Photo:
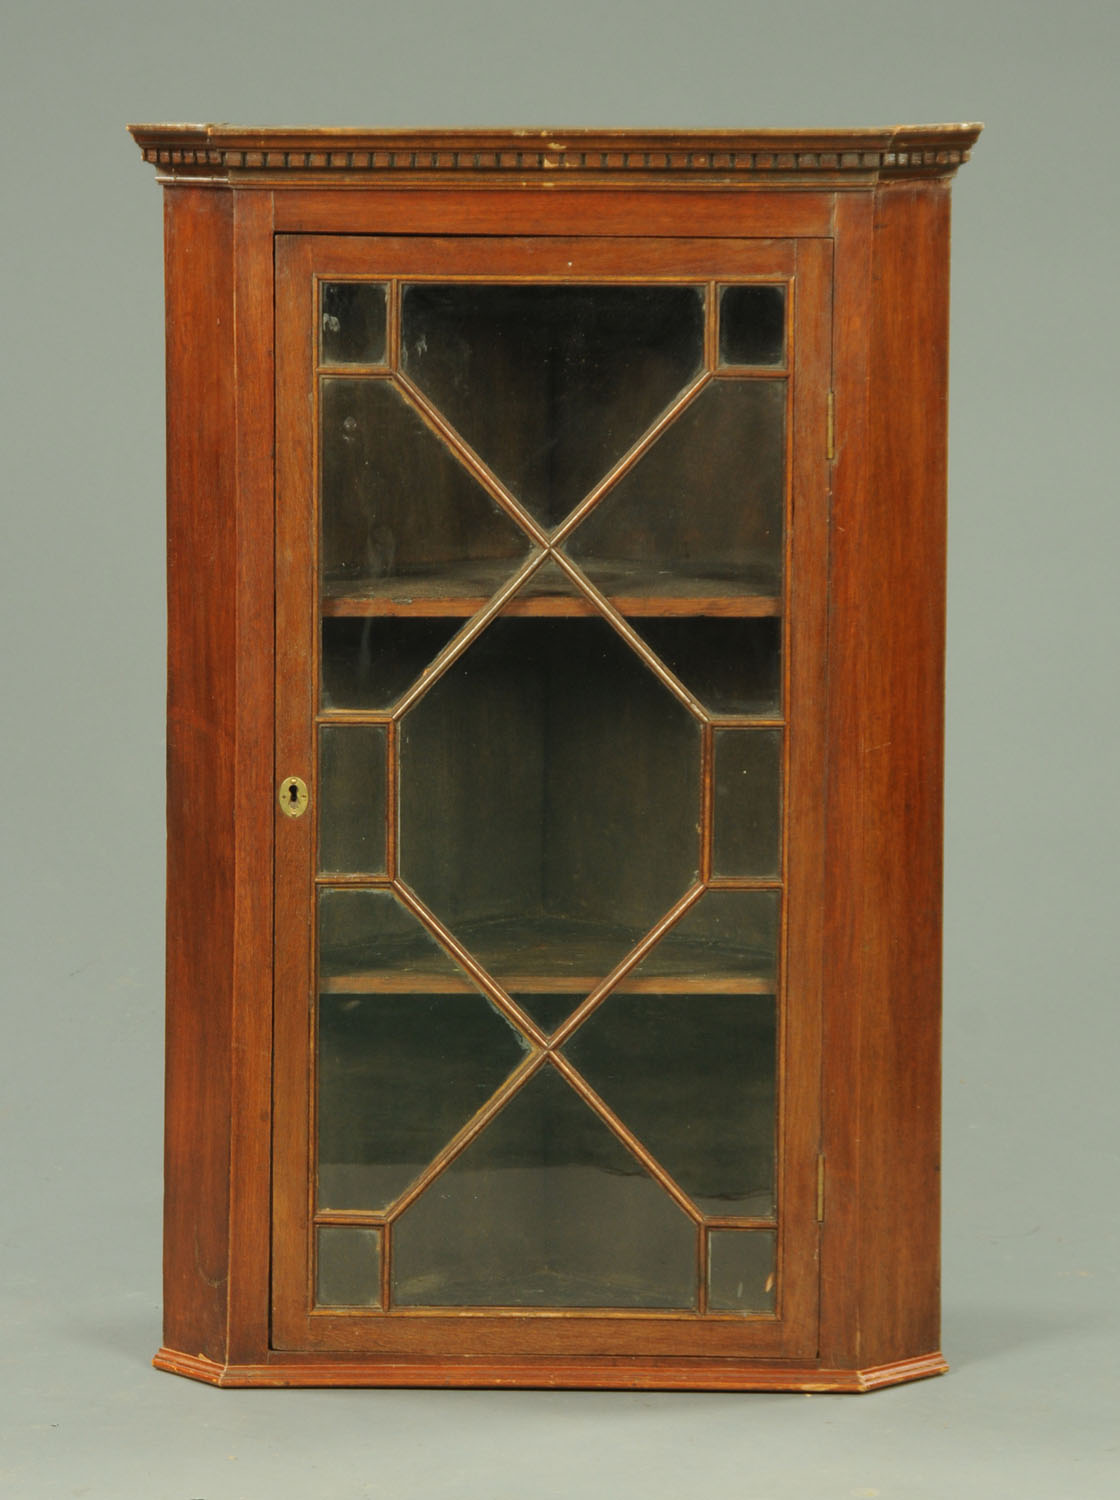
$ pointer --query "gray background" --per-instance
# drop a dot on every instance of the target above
(1031, 1175)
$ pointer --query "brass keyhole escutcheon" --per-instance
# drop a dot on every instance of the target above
(294, 796)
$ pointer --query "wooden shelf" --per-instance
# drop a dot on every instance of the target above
(746, 606)
(548, 956)
(382, 983)
(463, 591)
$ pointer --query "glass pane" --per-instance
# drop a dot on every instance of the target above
(732, 666)
(550, 1009)
(693, 1076)
(701, 512)
(400, 513)
(742, 1270)
(748, 802)
(408, 1049)
(347, 1266)
(545, 1209)
(728, 938)
(352, 788)
(364, 933)
(752, 325)
(369, 663)
(550, 795)
(352, 323)
(550, 385)
(549, 800)
(399, 1075)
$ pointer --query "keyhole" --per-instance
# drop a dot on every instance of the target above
(292, 796)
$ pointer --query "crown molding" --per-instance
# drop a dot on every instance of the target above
(274, 157)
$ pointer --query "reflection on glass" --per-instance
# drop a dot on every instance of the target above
(369, 663)
(742, 1270)
(551, 385)
(546, 1208)
(752, 325)
(352, 776)
(732, 666)
(347, 1266)
(747, 808)
(703, 507)
(398, 506)
(549, 799)
(352, 323)
(693, 1076)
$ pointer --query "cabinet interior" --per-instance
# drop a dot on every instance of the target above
(551, 713)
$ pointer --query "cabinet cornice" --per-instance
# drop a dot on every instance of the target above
(271, 156)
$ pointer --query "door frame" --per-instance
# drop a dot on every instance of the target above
(807, 264)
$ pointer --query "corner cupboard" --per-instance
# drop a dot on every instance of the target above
(556, 587)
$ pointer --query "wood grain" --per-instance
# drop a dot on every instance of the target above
(302, 260)
(295, 702)
(882, 1079)
(530, 210)
(862, 244)
(804, 964)
(251, 1041)
(201, 745)
(579, 1374)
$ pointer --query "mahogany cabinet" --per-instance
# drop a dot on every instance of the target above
(556, 587)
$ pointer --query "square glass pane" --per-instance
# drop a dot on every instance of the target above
(347, 1266)
(742, 1270)
(747, 802)
(352, 323)
(752, 325)
(352, 796)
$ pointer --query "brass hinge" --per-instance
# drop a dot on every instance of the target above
(831, 426)
(820, 1189)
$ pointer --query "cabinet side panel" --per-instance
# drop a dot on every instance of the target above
(886, 687)
(201, 701)
(901, 1037)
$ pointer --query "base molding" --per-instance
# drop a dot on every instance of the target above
(550, 1374)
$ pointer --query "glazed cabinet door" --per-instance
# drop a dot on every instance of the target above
(550, 617)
